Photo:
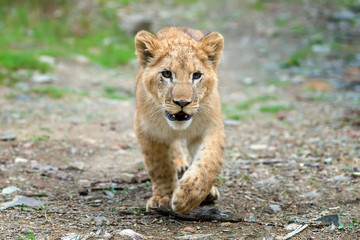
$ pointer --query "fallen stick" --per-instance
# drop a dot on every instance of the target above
(296, 231)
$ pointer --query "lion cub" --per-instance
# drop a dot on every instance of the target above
(177, 105)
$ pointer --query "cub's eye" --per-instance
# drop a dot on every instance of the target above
(166, 74)
(197, 75)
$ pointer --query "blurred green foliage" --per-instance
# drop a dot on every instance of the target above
(30, 28)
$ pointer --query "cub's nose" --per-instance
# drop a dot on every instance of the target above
(181, 103)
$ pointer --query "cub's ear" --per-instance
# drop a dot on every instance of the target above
(146, 45)
(213, 44)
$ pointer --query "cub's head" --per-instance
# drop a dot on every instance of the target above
(179, 72)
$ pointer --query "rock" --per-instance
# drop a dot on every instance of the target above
(8, 136)
(356, 174)
(190, 229)
(22, 200)
(80, 59)
(72, 237)
(252, 218)
(85, 183)
(10, 190)
(319, 48)
(76, 166)
(292, 226)
(21, 160)
(258, 147)
(275, 208)
(196, 236)
(343, 15)
(44, 78)
(330, 219)
(47, 59)
(130, 233)
(310, 195)
(328, 160)
(136, 22)
(109, 194)
(83, 191)
(127, 177)
(232, 122)
(100, 220)
(107, 235)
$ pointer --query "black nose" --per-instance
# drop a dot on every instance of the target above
(181, 103)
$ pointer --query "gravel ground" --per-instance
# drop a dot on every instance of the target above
(293, 137)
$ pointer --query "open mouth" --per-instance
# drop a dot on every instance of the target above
(179, 116)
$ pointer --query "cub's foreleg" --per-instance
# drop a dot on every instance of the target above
(161, 169)
(199, 179)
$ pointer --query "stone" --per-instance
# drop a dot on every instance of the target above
(343, 15)
(109, 194)
(275, 208)
(258, 147)
(44, 78)
(292, 226)
(100, 220)
(196, 236)
(252, 219)
(47, 59)
(8, 136)
(132, 234)
(21, 160)
(107, 235)
(72, 237)
(136, 22)
(330, 219)
(190, 229)
(321, 48)
(76, 166)
(80, 59)
(22, 200)
(127, 177)
(356, 174)
(10, 190)
(328, 160)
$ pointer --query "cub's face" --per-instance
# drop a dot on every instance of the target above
(179, 73)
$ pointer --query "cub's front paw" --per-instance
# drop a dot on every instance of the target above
(212, 196)
(187, 197)
(157, 201)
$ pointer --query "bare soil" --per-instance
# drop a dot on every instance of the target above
(292, 166)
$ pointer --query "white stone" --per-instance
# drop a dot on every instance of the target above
(21, 160)
(10, 190)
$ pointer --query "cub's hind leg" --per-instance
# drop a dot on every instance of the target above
(161, 169)
(180, 155)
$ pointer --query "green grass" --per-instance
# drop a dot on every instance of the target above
(51, 91)
(295, 59)
(274, 108)
(231, 111)
(112, 93)
(258, 5)
(14, 61)
(29, 236)
(40, 138)
(29, 29)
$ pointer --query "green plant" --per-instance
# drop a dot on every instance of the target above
(40, 138)
(274, 108)
(112, 93)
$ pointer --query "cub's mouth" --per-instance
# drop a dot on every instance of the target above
(179, 116)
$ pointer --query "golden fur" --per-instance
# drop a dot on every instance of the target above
(184, 54)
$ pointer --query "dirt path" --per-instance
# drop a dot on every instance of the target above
(292, 154)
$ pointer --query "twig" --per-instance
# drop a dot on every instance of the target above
(296, 231)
